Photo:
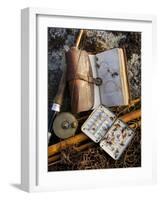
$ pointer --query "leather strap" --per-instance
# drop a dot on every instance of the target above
(89, 79)
(81, 77)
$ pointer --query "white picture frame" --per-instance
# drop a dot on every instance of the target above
(34, 176)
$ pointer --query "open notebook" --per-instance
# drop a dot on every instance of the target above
(97, 79)
(110, 67)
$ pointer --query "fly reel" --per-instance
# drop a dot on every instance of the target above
(65, 125)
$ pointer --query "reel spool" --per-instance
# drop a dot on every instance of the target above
(65, 125)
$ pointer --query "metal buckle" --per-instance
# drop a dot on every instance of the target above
(98, 81)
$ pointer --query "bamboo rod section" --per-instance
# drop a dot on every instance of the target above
(135, 101)
(78, 149)
(54, 158)
(130, 116)
(53, 149)
(84, 146)
(79, 38)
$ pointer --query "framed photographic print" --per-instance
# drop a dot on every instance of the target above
(86, 101)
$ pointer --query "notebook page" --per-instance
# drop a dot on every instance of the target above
(109, 71)
(92, 59)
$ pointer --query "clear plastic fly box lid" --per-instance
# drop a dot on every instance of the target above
(98, 123)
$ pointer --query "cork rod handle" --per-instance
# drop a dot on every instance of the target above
(60, 93)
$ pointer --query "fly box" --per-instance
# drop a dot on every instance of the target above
(112, 134)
